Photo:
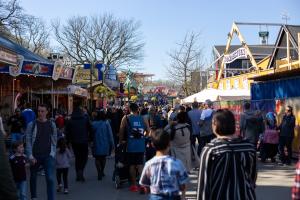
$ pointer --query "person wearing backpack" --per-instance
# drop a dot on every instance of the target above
(251, 124)
(206, 132)
(41, 139)
(180, 134)
(133, 130)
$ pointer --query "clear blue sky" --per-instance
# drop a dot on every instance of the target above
(165, 22)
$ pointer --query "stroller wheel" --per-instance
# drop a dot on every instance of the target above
(117, 182)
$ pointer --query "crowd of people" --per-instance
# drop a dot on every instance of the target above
(163, 145)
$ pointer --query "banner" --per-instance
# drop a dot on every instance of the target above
(239, 53)
(58, 66)
(7, 57)
(67, 73)
(15, 70)
(83, 75)
(37, 69)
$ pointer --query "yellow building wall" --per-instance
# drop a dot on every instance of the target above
(234, 82)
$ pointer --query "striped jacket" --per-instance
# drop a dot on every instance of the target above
(296, 186)
(227, 170)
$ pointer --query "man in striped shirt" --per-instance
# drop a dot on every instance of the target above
(227, 164)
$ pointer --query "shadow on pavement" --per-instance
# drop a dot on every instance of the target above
(266, 192)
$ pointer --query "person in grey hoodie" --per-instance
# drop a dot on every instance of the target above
(41, 139)
(251, 124)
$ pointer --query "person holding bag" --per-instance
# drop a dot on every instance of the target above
(180, 147)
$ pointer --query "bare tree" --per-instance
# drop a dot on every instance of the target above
(104, 39)
(185, 59)
(32, 34)
(10, 13)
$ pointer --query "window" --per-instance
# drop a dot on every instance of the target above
(245, 64)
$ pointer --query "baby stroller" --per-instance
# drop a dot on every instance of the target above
(121, 171)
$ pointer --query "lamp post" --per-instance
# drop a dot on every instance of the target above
(102, 82)
(91, 86)
(92, 73)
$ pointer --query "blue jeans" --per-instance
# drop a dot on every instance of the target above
(163, 197)
(48, 163)
(22, 190)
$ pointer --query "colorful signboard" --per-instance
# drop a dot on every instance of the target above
(67, 73)
(58, 66)
(8, 57)
(83, 75)
(72, 89)
(37, 69)
(15, 70)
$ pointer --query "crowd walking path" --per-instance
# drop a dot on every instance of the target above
(274, 182)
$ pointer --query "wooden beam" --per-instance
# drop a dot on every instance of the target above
(288, 55)
(299, 47)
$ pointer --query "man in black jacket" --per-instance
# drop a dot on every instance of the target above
(286, 128)
(77, 133)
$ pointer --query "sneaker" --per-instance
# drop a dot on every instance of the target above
(66, 191)
(59, 188)
(134, 188)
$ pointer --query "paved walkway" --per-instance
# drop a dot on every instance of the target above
(274, 183)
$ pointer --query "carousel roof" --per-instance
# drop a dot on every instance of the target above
(18, 49)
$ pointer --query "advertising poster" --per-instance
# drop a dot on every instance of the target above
(37, 69)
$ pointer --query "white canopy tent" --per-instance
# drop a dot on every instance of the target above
(218, 95)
